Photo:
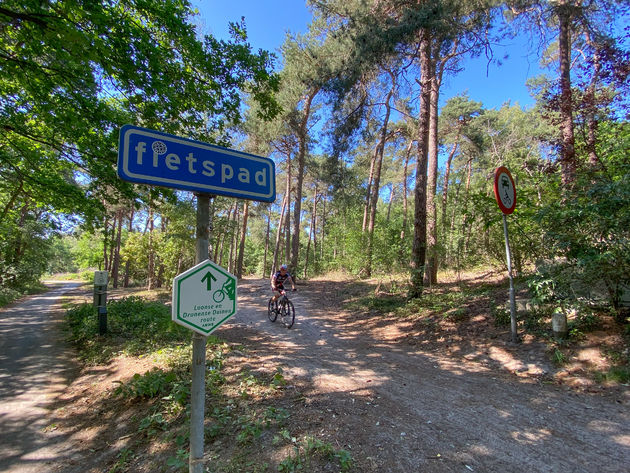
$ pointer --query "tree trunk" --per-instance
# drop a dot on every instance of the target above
(567, 145)
(317, 197)
(241, 249)
(368, 194)
(311, 232)
(151, 270)
(105, 226)
(376, 184)
(211, 207)
(430, 276)
(418, 250)
(403, 230)
(116, 263)
(591, 106)
(12, 200)
(274, 265)
(219, 250)
(234, 239)
(297, 210)
(286, 224)
(267, 236)
(127, 262)
(447, 174)
(391, 201)
(321, 246)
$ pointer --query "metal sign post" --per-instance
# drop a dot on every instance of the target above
(508, 255)
(156, 158)
(505, 193)
(198, 389)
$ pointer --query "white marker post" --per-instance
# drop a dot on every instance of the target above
(505, 193)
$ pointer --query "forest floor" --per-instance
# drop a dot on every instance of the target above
(362, 384)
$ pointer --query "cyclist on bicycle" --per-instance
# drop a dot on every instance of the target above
(278, 280)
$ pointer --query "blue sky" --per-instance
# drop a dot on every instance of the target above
(268, 21)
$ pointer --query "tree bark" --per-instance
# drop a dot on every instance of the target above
(219, 250)
(116, 263)
(430, 275)
(127, 262)
(403, 230)
(241, 249)
(151, 269)
(311, 232)
(368, 194)
(376, 184)
(447, 174)
(274, 266)
(418, 250)
(267, 236)
(567, 145)
(301, 158)
(234, 239)
(591, 106)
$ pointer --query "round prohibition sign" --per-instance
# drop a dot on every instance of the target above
(504, 190)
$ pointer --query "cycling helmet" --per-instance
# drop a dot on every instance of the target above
(283, 266)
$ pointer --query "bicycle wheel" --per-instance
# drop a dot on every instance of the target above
(272, 310)
(287, 313)
(218, 296)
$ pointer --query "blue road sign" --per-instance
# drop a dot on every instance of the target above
(152, 157)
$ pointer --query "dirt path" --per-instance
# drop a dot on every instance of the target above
(401, 409)
(395, 404)
(35, 367)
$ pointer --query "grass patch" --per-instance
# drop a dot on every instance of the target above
(616, 374)
(135, 327)
(440, 301)
(308, 450)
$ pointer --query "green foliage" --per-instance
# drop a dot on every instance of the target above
(141, 325)
(152, 424)
(8, 295)
(502, 316)
(122, 460)
(583, 323)
(558, 357)
(87, 250)
(179, 461)
(72, 73)
(616, 374)
(24, 250)
(60, 256)
(592, 233)
(306, 451)
(154, 383)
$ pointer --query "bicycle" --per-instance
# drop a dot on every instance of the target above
(282, 307)
(226, 290)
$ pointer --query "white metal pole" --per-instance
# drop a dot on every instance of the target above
(508, 255)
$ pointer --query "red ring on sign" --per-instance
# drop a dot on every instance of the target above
(498, 172)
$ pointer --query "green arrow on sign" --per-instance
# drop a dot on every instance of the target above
(208, 278)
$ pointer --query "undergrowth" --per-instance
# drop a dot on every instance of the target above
(8, 295)
(245, 408)
(134, 327)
